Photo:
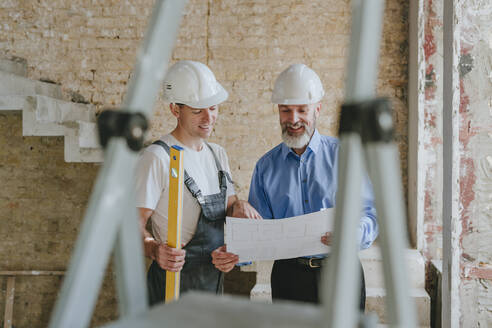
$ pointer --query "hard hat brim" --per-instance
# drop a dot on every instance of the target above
(216, 99)
(297, 101)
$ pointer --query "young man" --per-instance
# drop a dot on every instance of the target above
(194, 95)
(299, 176)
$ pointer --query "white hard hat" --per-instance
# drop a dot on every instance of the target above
(297, 85)
(193, 84)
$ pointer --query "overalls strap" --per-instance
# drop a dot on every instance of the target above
(188, 180)
(219, 167)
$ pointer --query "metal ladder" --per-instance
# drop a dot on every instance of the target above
(111, 218)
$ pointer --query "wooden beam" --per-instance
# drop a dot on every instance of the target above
(9, 298)
(9, 302)
(32, 273)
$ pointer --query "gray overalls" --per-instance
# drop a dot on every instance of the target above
(198, 272)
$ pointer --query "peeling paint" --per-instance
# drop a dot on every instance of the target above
(431, 130)
(467, 164)
(467, 194)
(431, 230)
(464, 98)
(430, 46)
(476, 13)
(489, 160)
(428, 208)
(483, 271)
(430, 82)
(470, 46)
(468, 257)
(465, 65)
(475, 165)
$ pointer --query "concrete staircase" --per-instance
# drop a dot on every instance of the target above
(375, 298)
(372, 262)
(46, 113)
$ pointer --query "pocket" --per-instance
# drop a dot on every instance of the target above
(213, 212)
(215, 236)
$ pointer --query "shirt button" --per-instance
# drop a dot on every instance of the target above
(306, 201)
(304, 180)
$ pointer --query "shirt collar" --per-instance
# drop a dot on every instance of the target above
(315, 141)
(313, 145)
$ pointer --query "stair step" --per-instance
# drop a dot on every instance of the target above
(17, 66)
(60, 111)
(81, 148)
(371, 260)
(372, 263)
(46, 116)
(375, 302)
(88, 135)
(45, 113)
(15, 85)
(82, 144)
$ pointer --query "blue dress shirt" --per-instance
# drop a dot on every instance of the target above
(285, 184)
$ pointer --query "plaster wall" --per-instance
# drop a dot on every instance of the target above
(425, 124)
(431, 152)
(469, 227)
(468, 144)
(425, 127)
(474, 25)
(89, 47)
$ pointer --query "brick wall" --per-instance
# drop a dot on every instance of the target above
(89, 48)
(42, 201)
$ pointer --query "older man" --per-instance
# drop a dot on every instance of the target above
(299, 176)
(194, 95)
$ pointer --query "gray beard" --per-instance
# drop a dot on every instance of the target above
(297, 142)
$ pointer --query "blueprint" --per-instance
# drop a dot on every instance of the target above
(261, 240)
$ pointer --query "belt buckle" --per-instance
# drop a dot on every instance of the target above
(311, 264)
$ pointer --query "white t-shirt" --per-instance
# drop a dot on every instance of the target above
(152, 184)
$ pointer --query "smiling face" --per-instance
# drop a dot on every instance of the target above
(298, 123)
(196, 122)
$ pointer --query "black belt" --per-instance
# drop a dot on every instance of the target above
(304, 261)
